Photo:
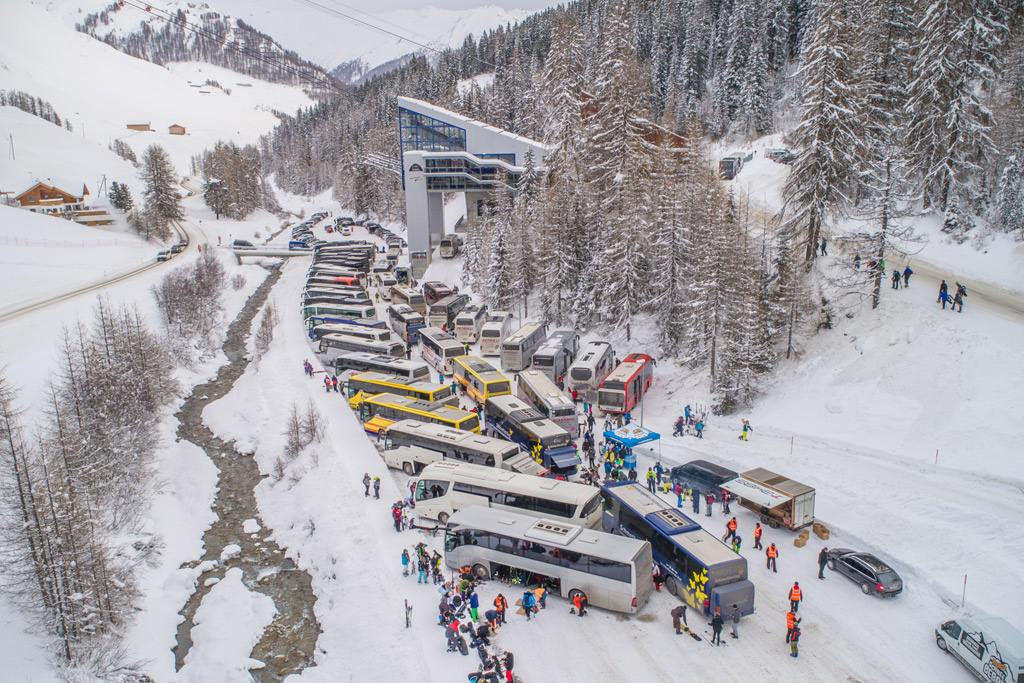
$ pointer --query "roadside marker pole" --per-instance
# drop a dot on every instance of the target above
(936, 457)
(963, 599)
(791, 438)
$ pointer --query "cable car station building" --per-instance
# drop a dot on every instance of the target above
(446, 152)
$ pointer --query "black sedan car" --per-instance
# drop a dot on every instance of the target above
(874, 576)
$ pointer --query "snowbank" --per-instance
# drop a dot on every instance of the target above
(228, 624)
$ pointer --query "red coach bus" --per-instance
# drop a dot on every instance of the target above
(625, 386)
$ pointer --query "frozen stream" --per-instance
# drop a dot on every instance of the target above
(289, 642)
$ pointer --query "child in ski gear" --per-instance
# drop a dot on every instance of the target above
(795, 596)
(771, 553)
(822, 561)
(746, 431)
(679, 617)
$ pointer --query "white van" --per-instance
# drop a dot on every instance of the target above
(992, 648)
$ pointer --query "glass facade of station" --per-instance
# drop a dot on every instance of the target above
(428, 134)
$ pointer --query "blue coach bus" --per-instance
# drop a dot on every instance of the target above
(512, 418)
(696, 565)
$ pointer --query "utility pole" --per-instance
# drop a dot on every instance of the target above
(11, 153)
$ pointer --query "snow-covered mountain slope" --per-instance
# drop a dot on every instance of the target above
(331, 41)
(100, 90)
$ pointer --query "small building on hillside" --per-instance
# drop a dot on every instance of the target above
(175, 129)
(139, 126)
(53, 201)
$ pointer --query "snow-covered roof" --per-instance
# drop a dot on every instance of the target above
(447, 116)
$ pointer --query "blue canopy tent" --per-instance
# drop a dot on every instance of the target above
(632, 435)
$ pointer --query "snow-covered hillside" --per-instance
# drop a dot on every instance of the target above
(100, 89)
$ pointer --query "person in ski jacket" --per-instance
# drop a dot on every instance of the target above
(736, 543)
(746, 431)
(540, 598)
(716, 628)
(632, 474)
(726, 499)
(771, 553)
(943, 297)
(575, 396)
(327, 384)
(422, 566)
(687, 414)
(376, 488)
(677, 428)
(793, 649)
(730, 530)
(757, 536)
(396, 514)
(710, 500)
(679, 618)
(659, 471)
(581, 604)
(405, 562)
(492, 619)
(528, 604)
(907, 272)
(822, 561)
(508, 662)
(823, 244)
(650, 479)
(501, 605)
(958, 299)
(735, 619)
(795, 596)
(334, 383)
(895, 278)
(700, 429)
(696, 502)
(474, 607)
(366, 484)
(943, 289)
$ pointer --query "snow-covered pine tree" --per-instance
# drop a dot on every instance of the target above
(1010, 198)
(827, 134)
(524, 229)
(159, 176)
(957, 222)
(957, 47)
(499, 290)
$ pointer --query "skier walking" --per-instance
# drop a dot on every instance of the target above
(771, 553)
(679, 618)
(757, 536)
(895, 278)
(716, 627)
(958, 300)
(795, 596)
(907, 272)
(366, 484)
(943, 289)
(746, 431)
(822, 561)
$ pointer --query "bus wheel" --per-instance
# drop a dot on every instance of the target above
(481, 572)
(574, 592)
(671, 586)
(442, 517)
(408, 468)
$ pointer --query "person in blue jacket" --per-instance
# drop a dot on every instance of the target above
(528, 603)
(474, 605)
